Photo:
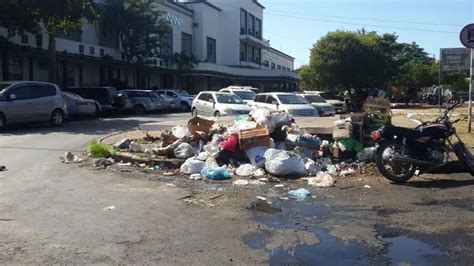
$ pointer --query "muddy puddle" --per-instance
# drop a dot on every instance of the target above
(293, 237)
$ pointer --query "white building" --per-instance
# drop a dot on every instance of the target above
(224, 35)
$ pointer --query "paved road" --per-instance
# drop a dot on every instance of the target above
(53, 213)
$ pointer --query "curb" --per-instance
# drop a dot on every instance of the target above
(164, 163)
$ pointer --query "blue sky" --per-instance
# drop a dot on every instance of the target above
(293, 26)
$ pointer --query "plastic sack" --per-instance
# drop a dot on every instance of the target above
(246, 170)
(281, 118)
(243, 125)
(215, 173)
(311, 167)
(180, 131)
(212, 150)
(367, 154)
(184, 151)
(255, 156)
(350, 145)
(299, 194)
(192, 166)
(203, 156)
(263, 117)
(282, 163)
(323, 179)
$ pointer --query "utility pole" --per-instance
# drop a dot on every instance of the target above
(471, 79)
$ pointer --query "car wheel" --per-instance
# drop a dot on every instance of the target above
(97, 110)
(57, 118)
(217, 114)
(140, 109)
(194, 113)
(3, 122)
(184, 106)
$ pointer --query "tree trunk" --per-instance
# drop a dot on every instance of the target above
(53, 64)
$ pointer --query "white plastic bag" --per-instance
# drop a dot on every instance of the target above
(367, 154)
(281, 118)
(180, 131)
(246, 170)
(184, 151)
(281, 163)
(323, 179)
(243, 125)
(212, 150)
(192, 166)
(255, 156)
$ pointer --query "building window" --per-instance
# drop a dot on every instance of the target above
(273, 65)
(257, 54)
(39, 40)
(211, 50)
(250, 24)
(243, 51)
(91, 50)
(24, 39)
(278, 67)
(266, 63)
(258, 28)
(243, 21)
(250, 53)
(102, 52)
(81, 48)
(186, 44)
(167, 44)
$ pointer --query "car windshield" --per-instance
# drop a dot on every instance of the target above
(229, 98)
(291, 99)
(3, 86)
(314, 99)
(246, 95)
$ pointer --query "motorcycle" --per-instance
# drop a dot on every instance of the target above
(405, 152)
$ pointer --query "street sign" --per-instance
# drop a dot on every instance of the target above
(455, 60)
(467, 36)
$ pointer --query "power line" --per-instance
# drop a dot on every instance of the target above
(368, 19)
(363, 25)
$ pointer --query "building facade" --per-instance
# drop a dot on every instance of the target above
(225, 36)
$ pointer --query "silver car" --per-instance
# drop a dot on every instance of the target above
(144, 101)
(76, 105)
(211, 103)
(30, 101)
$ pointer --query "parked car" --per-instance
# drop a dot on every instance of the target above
(246, 95)
(182, 96)
(211, 103)
(288, 102)
(107, 97)
(249, 88)
(30, 101)
(338, 103)
(324, 108)
(77, 106)
(171, 103)
(144, 101)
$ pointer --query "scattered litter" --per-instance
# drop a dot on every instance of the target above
(263, 179)
(122, 144)
(103, 162)
(282, 163)
(110, 208)
(184, 151)
(367, 154)
(3, 168)
(69, 157)
(192, 166)
(261, 198)
(262, 206)
(135, 147)
(323, 180)
(279, 185)
(259, 172)
(367, 186)
(195, 177)
(215, 173)
(125, 164)
(171, 185)
(240, 182)
(246, 170)
(256, 182)
(216, 197)
(284, 198)
(299, 194)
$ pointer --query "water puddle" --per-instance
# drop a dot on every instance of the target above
(406, 250)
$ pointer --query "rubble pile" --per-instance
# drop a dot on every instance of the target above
(258, 148)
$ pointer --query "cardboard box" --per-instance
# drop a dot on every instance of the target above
(251, 138)
(200, 124)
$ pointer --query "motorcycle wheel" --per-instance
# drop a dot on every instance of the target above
(397, 172)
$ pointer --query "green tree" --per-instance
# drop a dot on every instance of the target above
(456, 81)
(416, 74)
(55, 18)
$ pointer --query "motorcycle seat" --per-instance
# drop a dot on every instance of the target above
(402, 131)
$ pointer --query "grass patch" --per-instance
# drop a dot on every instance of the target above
(98, 150)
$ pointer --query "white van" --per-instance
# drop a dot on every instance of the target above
(288, 102)
(211, 103)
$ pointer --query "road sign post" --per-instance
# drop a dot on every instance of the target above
(467, 39)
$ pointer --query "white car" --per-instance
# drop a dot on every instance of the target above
(246, 95)
(340, 106)
(324, 108)
(288, 102)
(211, 103)
(185, 100)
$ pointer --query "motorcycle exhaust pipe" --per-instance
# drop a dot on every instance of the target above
(405, 159)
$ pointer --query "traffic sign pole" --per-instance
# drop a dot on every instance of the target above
(471, 79)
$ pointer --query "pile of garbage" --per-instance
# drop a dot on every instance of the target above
(262, 146)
